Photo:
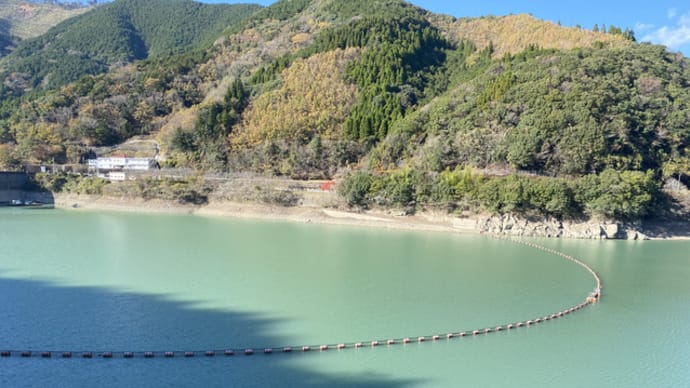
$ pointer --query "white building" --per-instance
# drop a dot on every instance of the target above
(114, 176)
(118, 168)
(122, 163)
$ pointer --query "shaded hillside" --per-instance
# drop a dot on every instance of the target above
(6, 42)
(120, 32)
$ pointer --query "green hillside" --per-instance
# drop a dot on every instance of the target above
(566, 118)
(405, 108)
(120, 32)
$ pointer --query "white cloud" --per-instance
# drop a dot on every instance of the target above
(673, 37)
(685, 19)
(671, 13)
(642, 27)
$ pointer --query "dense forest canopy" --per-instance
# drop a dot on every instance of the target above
(405, 108)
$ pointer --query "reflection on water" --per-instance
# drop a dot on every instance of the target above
(45, 316)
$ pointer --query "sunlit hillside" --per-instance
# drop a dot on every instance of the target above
(515, 33)
(27, 19)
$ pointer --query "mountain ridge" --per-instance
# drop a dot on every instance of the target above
(120, 32)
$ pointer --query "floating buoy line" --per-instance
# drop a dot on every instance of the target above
(592, 297)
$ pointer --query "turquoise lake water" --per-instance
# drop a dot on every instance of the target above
(88, 281)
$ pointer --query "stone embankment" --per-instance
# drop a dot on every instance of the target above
(513, 226)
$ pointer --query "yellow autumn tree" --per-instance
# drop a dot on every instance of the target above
(515, 33)
(312, 99)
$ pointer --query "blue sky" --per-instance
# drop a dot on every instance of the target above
(664, 22)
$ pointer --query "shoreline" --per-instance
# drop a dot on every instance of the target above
(423, 221)
(255, 211)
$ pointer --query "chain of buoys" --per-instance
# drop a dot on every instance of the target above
(591, 298)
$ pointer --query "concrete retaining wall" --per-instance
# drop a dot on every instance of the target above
(15, 185)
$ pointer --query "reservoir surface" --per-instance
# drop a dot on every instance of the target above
(113, 282)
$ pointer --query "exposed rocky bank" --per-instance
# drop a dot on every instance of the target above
(510, 225)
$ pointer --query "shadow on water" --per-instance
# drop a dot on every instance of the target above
(41, 316)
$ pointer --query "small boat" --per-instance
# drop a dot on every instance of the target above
(31, 204)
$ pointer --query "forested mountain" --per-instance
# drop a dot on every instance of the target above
(117, 33)
(404, 107)
(26, 19)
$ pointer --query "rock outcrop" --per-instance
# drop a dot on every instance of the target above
(511, 225)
